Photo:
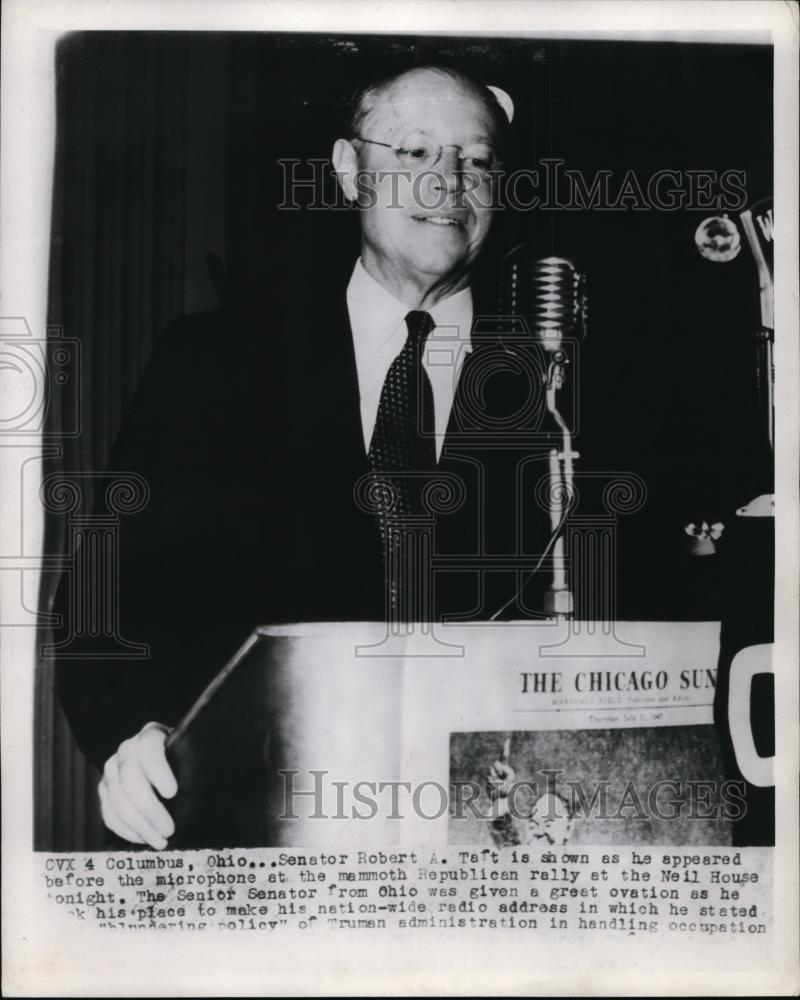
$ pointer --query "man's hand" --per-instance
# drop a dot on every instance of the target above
(501, 777)
(499, 780)
(128, 803)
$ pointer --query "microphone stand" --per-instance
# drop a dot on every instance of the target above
(763, 505)
(552, 294)
(558, 598)
(765, 370)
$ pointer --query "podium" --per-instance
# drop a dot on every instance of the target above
(304, 741)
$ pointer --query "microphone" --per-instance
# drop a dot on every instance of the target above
(548, 293)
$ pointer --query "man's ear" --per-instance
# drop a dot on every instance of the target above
(345, 163)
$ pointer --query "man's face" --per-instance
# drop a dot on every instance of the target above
(550, 821)
(425, 226)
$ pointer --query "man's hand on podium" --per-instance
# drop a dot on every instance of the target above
(128, 802)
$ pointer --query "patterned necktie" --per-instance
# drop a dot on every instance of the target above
(403, 441)
(400, 457)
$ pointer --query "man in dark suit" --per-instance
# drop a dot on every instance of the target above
(266, 439)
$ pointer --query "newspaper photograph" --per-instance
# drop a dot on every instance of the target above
(400, 524)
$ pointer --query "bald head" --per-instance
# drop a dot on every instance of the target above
(441, 83)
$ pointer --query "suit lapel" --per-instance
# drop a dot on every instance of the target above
(327, 419)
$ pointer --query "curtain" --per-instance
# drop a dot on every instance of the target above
(117, 276)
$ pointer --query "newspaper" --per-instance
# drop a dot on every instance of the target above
(580, 778)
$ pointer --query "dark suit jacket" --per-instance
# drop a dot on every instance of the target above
(247, 428)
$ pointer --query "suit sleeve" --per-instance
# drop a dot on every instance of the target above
(109, 697)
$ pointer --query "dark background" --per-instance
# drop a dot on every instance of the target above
(166, 199)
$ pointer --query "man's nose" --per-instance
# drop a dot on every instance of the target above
(449, 173)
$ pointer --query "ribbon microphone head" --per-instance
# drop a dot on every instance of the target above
(548, 293)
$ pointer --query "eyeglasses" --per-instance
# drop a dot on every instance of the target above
(419, 152)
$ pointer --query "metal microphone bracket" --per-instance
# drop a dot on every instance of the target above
(556, 373)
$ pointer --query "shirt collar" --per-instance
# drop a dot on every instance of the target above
(371, 306)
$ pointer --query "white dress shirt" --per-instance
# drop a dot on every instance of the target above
(377, 320)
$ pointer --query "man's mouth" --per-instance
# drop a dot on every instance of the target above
(439, 220)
